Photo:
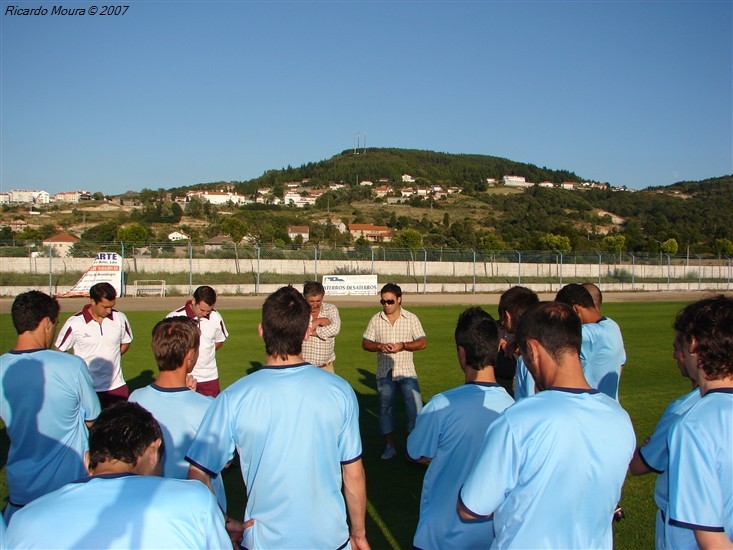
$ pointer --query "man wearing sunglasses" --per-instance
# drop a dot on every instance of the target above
(394, 334)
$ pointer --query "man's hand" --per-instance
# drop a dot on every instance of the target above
(191, 382)
(236, 529)
(394, 347)
(359, 542)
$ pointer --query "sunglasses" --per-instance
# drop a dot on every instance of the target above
(386, 302)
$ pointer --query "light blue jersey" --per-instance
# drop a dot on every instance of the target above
(450, 430)
(179, 411)
(655, 455)
(701, 469)
(122, 511)
(551, 470)
(45, 398)
(602, 355)
(293, 426)
(524, 384)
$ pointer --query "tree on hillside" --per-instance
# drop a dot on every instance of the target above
(408, 238)
(134, 234)
(105, 232)
(614, 243)
(723, 247)
(670, 247)
(558, 243)
(234, 227)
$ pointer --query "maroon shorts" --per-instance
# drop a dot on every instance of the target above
(210, 387)
(108, 398)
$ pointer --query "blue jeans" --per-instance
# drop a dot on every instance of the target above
(410, 393)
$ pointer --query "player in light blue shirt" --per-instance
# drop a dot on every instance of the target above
(449, 432)
(552, 467)
(512, 305)
(47, 400)
(701, 442)
(178, 409)
(123, 504)
(296, 428)
(653, 455)
(602, 352)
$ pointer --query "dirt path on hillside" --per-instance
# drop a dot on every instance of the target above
(152, 303)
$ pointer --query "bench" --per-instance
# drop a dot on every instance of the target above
(149, 287)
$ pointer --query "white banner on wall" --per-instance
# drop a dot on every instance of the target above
(106, 268)
(359, 285)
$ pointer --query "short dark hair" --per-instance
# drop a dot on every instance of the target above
(122, 432)
(313, 288)
(32, 307)
(575, 295)
(554, 325)
(285, 318)
(710, 323)
(205, 294)
(392, 288)
(478, 335)
(516, 301)
(102, 291)
(172, 339)
(595, 293)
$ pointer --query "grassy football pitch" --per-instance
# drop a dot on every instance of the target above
(650, 381)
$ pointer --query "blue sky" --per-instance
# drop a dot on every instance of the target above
(176, 93)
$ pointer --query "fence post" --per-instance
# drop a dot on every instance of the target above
(560, 252)
(124, 278)
(519, 268)
(633, 271)
(728, 272)
(699, 271)
(473, 289)
(669, 268)
(190, 269)
(315, 263)
(50, 269)
(599, 268)
(257, 283)
(425, 271)
(372, 250)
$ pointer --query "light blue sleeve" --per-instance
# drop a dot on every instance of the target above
(213, 447)
(350, 437)
(88, 398)
(495, 471)
(695, 497)
(423, 440)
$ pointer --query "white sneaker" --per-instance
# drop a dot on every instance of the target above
(389, 453)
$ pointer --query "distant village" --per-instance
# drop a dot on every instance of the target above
(298, 194)
(301, 194)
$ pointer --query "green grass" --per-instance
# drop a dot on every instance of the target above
(649, 382)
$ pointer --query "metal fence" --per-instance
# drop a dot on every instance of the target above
(244, 269)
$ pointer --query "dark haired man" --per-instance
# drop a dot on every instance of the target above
(318, 348)
(100, 335)
(213, 335)
(512, 305)
(551, 467)
(394, 334)
(653, 455)
(450, 431)
(47, 402)
(123, 504)
(602, 353)
(296, 429)
(701, 442)
(179, 410)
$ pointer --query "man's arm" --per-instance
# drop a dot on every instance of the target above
(194, 472)
(466, 514)
(124, 348)
(218, 345)
(354, 487)
(368, 345)
(712, 540)
(637, 466)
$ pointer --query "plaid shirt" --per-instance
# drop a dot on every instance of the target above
(407, 328)
(318, 349)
